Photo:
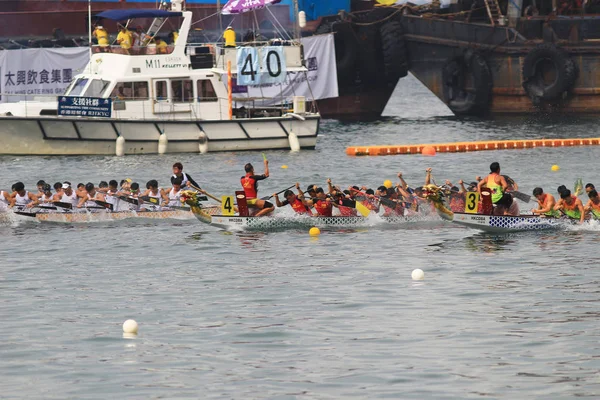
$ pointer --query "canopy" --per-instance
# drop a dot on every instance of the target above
(122, 15)
(242, 6)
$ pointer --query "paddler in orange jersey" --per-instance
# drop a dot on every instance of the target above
(250, 185)
(321, 203)
(570, 205)
(546, 204)
(592, 207)
(498, 185)
(298, 204)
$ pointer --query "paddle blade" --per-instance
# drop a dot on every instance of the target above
(578, 187)
(362, 209)
(264, 157)
(149, 199)
(521, 196)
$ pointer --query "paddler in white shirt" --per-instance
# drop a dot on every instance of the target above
(67, 195)
(174, 195)
(186, 180)
(155, 196)
(22, 197)
(89, 200)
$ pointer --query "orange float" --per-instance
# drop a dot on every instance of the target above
(434, 148)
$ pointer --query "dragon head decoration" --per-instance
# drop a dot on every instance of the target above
(435, 195)
(189, 197)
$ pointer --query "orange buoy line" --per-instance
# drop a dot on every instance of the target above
(459, 147)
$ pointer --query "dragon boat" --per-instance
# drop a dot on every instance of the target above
(488, 222)
(11, 216)
(224, 217)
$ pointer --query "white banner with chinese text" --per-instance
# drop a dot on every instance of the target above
(29, 73)
(320, 82)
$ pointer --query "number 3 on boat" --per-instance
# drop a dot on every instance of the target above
(227, 205)
(471, 203)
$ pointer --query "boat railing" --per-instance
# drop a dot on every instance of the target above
(133, 51)
(195, 109)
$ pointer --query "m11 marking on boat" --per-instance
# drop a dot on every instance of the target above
(75, 106)
(157, 64)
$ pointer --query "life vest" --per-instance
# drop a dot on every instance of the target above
(250, 186)
(324, 208)
(497, 190)
(571, 210)
(299, 207)
(22, 200)
(174, 197)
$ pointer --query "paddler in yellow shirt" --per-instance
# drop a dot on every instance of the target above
(125, 39)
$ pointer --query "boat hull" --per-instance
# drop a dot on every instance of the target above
(72, 136)
(85, 217)
(286, 222)
(505, 223)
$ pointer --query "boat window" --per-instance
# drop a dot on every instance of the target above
(183, 91)
(130, 91)
(206, 91)
(96, 88)
(78, 87)
(161, 90)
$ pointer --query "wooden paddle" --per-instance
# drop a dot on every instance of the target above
(281, 191)
(215, 198)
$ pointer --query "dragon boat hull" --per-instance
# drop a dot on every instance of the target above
(506, 223)
(236, 222)
(84, 217)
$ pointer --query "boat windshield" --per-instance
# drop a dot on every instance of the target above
(96, 88)
(77, 88)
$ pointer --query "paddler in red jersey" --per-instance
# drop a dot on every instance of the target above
(298, 204)
(250, 185)
(321, 203)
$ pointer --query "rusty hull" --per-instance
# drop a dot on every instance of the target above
(432, 42)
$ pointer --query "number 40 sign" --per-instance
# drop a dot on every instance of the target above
(260, 65)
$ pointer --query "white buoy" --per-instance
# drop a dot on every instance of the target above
(294, 142)
(120, 147)
(162, 143)
(418, 275)
(203, 143)
(130, 326)
(302, 19)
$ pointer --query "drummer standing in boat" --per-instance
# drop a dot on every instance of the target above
(250, 185)
(498, 186)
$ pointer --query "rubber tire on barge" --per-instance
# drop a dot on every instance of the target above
(394, 52)
(535, 67)
(463, 100)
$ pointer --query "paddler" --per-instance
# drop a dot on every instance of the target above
(498, 185)
(250, 185)
(186, 180)
(46, 196)
(174, 195)
(589, 187)
(570, 205)
(22, 197)
(298, 204)
(40, 187)
(546, 204)
(153, 195)
(91, 196)
(67, 195)
(593, 205)
(341, 200)
(321, 203)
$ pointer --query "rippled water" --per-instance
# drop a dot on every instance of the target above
(281, 315)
